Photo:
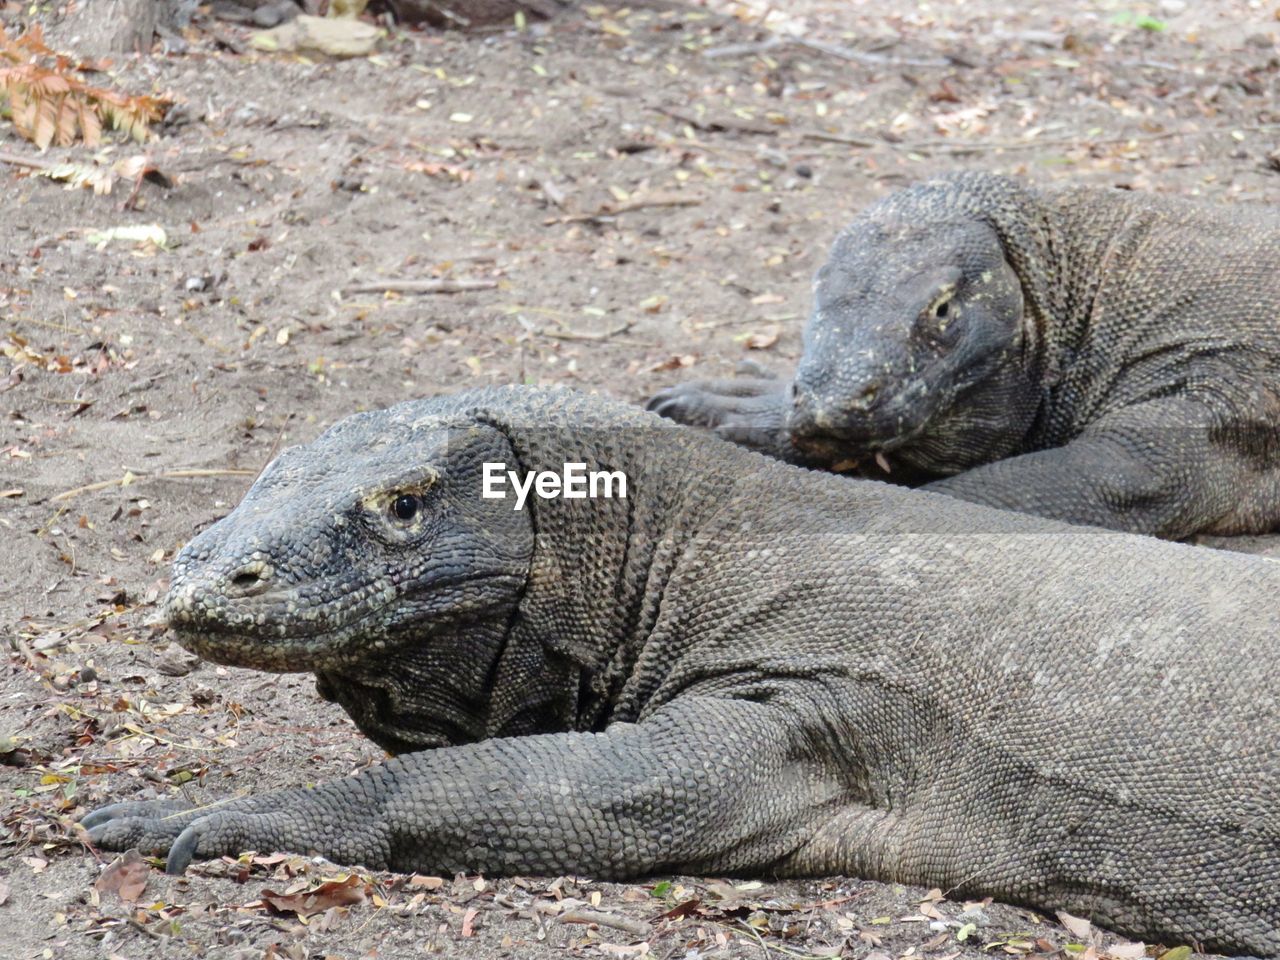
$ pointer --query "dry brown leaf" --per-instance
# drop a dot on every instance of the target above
(331, 893)
(1076, 926)
(929, 910)
(48, 102)
(468, 922)
(126, 876)
(1126, 951)
(674, 362)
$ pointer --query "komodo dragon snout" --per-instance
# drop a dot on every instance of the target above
(908, 321)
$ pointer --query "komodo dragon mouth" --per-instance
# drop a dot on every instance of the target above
(860, 440)
(282, 638)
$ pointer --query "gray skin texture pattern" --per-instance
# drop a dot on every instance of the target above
(1096, 356)
(743, 667)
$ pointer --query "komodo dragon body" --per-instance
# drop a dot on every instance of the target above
(741, 667)
(1096, 356)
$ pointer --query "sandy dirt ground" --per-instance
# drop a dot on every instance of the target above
(646, 200)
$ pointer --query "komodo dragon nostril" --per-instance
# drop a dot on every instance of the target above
(866, 397)
(251, 579)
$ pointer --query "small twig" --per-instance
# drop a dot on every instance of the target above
(1150, 65)
(841, 138)
(742, 321)
(717, 125)
(142, 928)
(137, 477)
(131, 201)
(20, 647)
(60, 327)
(570, 334)
(741, 49)
(766, 947)
(636, 928)
(553, 192)
(275, 444)
(876, 59)
(830, 49)
(608, 210)
(974, 146)
(204, 163)
(567, 333)
(419, 286)
(653, 201)
(18, 161)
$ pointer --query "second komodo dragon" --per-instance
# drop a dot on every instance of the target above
(1097, 356)
(740, 667)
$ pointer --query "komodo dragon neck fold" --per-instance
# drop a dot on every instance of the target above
(598, 574)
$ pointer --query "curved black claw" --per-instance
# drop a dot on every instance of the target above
(684, 403)
(151, 826)
(100, 816)
(141, 809)
(757, 401)
(182, 852)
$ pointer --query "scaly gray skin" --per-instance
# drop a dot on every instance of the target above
(743, 667)
(1095, 356)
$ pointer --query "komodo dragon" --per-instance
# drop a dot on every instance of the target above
(1096, 356)
(740, 667)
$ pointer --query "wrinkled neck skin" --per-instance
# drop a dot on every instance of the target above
(988, 420)
(997, 414)
(428, 693)
(557, 660)
(600, 566)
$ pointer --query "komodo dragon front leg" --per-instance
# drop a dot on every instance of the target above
(749, 411)
(1154, 467)
(702, 784)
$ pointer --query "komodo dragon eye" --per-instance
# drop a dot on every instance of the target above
(939, 314)
(405, 507)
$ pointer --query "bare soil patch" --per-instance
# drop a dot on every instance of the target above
(620, 198)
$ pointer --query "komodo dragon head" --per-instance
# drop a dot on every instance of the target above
(915, 343)
(433, 608)
(370, 558)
